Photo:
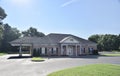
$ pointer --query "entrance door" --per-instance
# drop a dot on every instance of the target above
(70, 50)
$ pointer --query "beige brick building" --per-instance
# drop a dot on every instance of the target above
(56, 44)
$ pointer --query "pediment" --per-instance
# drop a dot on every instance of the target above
(69, 40)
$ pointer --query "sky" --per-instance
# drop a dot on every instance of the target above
(82, 18)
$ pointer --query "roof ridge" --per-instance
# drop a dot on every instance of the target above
(58, 34)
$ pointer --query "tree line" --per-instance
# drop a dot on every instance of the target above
(107, 42)
(8, 34)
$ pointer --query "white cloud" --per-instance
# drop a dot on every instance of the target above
(68, 3)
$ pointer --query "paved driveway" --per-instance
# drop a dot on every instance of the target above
(24, 67)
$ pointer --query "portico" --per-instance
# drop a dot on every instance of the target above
(71, 49)
(70, 46)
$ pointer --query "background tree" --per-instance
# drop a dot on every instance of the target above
(9, 34)
(2, 13)
(94, 38)
(1, 35)
(119, 41)
(106, 42)
(32, 32)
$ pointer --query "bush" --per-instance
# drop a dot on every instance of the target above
(36, 52)
(95, 52)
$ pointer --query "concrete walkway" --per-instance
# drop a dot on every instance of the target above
(24, 66)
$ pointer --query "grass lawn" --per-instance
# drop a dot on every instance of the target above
(37, 59)
(90, 70)
(1, 54)
(111, 54)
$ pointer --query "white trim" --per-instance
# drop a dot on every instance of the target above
(21, 44)
(69, 37)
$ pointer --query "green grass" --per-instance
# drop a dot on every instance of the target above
(37, 59)
(111, 54)
(90, 70)
(1, 54)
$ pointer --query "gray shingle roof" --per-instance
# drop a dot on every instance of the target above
(52, 38)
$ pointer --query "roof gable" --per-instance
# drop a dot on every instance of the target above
(69, 39)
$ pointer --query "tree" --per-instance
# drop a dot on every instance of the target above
(119, 41)
(9, 34)
(2, 13)
(106, 42)
(32, 32)
(94, 38)
(1, 35)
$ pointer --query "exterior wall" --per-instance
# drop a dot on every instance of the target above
(49, 49)
(78, 49)
(87, 47)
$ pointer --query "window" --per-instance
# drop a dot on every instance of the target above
(56, 51)
(82, 50)
(43, 50)
(90, 50)
(52, 51)
(40, 50)
(54, 48)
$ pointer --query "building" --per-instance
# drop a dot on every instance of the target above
(56, 44)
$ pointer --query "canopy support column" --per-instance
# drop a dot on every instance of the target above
(20, 51)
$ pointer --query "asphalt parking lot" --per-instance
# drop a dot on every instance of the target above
(24, 66)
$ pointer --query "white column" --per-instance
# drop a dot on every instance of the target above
(80, 49)
(76, 49)
(30, 50)
(20, 50)
(67, 53)
(61, 49)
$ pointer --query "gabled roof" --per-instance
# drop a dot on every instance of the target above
(56, 38)
(52, 38)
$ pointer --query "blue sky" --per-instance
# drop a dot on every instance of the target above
(82, 18)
